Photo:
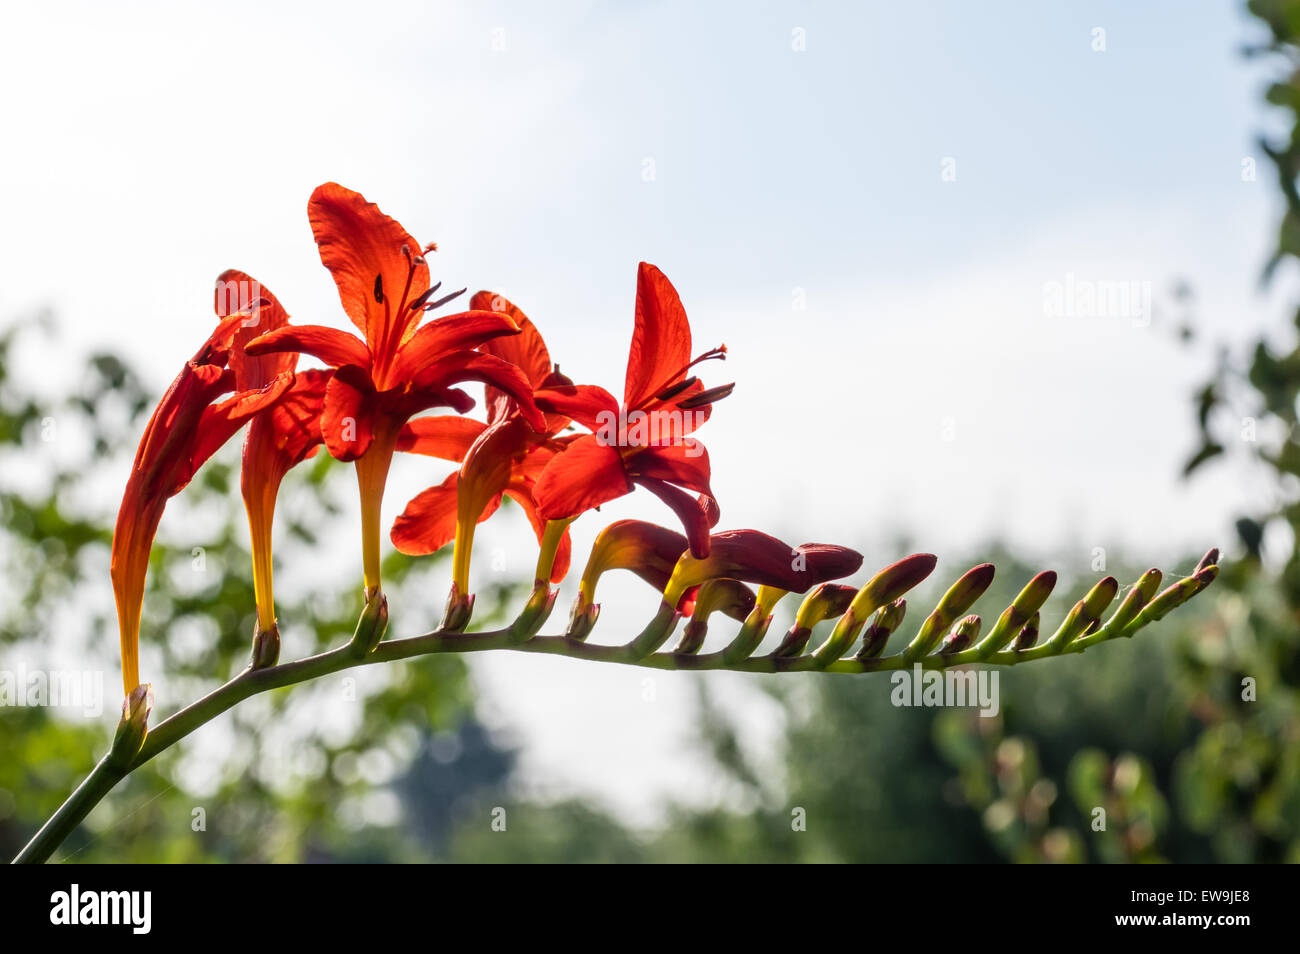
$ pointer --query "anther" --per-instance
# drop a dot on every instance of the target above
(419, 302)
(444, 299)
(670, 392)
(707, 397)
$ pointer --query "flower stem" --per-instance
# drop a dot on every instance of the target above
(101, 780)
(640, 652)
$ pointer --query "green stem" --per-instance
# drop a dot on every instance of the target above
(101, 780)
(104, 777)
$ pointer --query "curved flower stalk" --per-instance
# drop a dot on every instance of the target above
(362, 410)
(400, 368)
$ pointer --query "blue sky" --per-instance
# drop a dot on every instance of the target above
(920, 387)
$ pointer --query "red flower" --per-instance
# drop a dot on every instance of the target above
(505, 456)
(400, 368)
(188, 426)
(278, 438)
(645, 440)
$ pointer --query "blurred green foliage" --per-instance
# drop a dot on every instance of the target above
(312, 774)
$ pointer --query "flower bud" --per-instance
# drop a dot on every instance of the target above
(647, 550)
(755, 626)
(727, 596)
(1132, 604)
(883, 588)
(1085, 613)
(886, 623)
(827, 601)
(963, 634)
(1028, 634)
(755, 557)
(1026, 604)
(1176, 595)
(956, 601)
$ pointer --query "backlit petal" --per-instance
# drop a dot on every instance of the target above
(445, 436)
(460, 366)
(661, 339)
(462, 332)
(591, 406)
(363, 249)
(586, 475)
(236, 292)
(336, 348)
(526, 350)
(347, 421)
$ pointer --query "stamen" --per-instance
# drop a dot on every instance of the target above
(707, 397)
(379, 289)
(419, 302)
(667, 394)
(720, 352)
(444, 299)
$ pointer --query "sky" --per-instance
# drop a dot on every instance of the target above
(878, 207)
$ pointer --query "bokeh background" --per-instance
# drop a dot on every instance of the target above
(870, 205)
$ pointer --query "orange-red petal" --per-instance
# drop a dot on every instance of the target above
(661, 339)
(526, 350)
(585, 475)
(336, 348)
(429, 521)
(363, 249)
(347, 420)
(219, 422)
(446, 436)
(692, 512)
(462, 332)
(460, 366)
(686, 464)
(236, 291)
(591, 406)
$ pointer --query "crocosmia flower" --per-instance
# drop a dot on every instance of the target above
(398, 367)
(503, 457)
(644, 441)
(278, 438)
(189, 425)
